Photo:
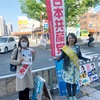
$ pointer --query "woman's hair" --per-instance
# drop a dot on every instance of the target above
(83, 67)
(89, 35)
(92, 64)
(73, 35)
(23, 37)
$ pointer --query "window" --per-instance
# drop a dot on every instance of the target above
(11, 39)
(85, 17)
(83, 23)
(92, 16)
(3, 40)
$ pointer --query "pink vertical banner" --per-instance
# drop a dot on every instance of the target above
(56, 19)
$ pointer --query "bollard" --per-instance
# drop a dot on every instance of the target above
(51, 81)
(97, 67)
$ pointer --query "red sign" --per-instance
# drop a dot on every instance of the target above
(22, 71)
(56, 19)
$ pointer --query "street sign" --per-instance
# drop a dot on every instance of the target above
(90, 25)
(46, 25)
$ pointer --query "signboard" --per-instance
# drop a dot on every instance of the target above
(74, 30)
(39, 88)
(61, 83)
(22, 20)
(22, 23)
(56, 19)
(84, 33)
(90, 25)
(22, 71)
(26, 24)
(78, 30)
(88, 74)
(45, 25)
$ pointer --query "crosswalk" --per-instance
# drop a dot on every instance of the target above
(89, 54)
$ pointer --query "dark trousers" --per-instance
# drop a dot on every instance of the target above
(24, 95)
(74, 87)
(89, 43)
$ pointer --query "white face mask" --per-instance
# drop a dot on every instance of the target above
(24, 44)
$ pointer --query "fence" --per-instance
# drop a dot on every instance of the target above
(7, 83)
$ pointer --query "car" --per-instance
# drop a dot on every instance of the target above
(16, 38)
(7, 43)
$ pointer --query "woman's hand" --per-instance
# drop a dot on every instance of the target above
(93, 58)
(55, 58)
(21, 59)
(33, 52)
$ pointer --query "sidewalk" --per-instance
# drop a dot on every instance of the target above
(81, 43)
(90, 92)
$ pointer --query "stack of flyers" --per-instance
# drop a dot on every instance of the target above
(27, 56)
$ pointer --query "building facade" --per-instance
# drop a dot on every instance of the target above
(9, 28)
(3, 28)
(26, 26)
(90, 21)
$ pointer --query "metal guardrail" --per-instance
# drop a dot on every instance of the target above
(33, 71)
(48, 73)
(95, 60)
(40, 72)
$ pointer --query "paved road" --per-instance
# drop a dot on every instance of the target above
(41, 61)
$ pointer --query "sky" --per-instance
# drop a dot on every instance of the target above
(97, 8)
(10, 10)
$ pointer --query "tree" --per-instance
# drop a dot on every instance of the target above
(33, 9)
(73, 9)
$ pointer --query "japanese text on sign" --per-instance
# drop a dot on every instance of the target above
(59, 25)
(56, 20)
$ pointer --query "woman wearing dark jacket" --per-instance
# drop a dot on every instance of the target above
(70, 70)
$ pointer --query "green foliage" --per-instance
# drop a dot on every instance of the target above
(73, 9)
(33, 9)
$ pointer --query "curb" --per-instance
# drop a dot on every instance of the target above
(80, 44)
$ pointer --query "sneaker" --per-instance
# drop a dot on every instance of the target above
(70, 98)
(74, 98)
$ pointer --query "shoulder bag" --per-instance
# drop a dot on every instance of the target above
(14, 67)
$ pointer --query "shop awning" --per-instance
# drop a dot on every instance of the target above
(21, 33)
(93, 31)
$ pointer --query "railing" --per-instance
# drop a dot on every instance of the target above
(7, 83)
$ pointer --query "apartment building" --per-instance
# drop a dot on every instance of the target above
(90, 21)
(3, 28)
(9, 28)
